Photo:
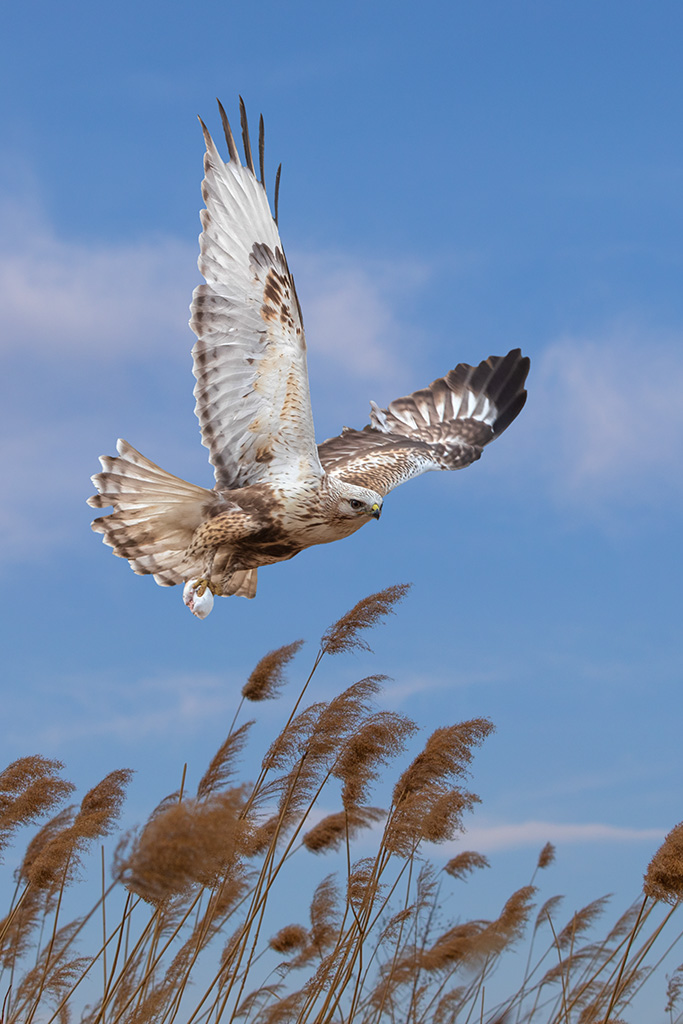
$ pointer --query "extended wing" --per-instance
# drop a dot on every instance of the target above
(253, 401)
(444, 426)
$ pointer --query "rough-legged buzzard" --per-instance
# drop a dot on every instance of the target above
(276, 491)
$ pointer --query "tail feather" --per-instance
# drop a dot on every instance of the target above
(240, 584)
(155, 514)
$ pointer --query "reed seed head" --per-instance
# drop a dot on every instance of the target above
(443, 813)
(101, 806)
(334, 829)
(546, 857)
(324, 914)
(267, 679)
(547, 911)
(465, 863)
(581, 921)
(674, 989)
(362, 888)
(29, 788)
(282, 1011)
(191, 843)
(289, 938)
(447, 754)
(664, 876)
(381, 738)
(222, 767)
(17, 929)
(344, 634)
(53, 859)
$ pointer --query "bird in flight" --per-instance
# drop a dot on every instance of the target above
(277, 491)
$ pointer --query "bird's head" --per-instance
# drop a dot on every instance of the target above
(353, 503)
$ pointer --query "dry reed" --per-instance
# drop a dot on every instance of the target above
(268, 677)
(29, 788)
(195, 842)
(465, 863)
(335, 829)
(185, 931)
(344, 634)
(289, 938)
(664, 876)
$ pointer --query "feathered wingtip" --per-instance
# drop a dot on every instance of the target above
(491, 393)
(498, 379)
(246, 142)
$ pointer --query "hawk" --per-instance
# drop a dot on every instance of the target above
(277, 491)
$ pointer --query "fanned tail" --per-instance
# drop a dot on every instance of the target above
(155, 514)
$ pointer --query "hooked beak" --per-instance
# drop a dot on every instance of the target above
(376, 511)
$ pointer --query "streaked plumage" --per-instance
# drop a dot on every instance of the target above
(276, 491)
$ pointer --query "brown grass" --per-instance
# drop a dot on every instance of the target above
(190, 928)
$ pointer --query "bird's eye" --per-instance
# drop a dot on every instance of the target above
(355, 503)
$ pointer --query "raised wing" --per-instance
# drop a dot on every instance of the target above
(253, 401)
(444, 426)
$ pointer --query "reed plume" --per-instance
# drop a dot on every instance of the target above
(335, 829)
(664, 876)
(268, 677)
(308, 747)
(546, 912)
(482, 940)
(223, 764)
(29, 788)
(190, 843)
(674, 990)
(366, 750)
(344, 634)
(50, 977)
(426, 805)
(546, 857)
(448, 754)
(55, 860)
(325, 914)
(289, 938)
(465, 863)
(580, 922)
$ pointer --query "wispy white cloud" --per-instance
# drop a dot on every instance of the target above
(61, 298)
(397, 692)
(45, 480)
(519, 835)
(85, 318)
(604, 423)
(353, 312)
(125, 710)
(101, 301)
(537, 833)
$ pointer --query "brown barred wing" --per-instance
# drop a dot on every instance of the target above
(381, 461)
(444, 426)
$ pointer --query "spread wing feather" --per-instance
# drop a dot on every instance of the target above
(253, 402)
(444, 426)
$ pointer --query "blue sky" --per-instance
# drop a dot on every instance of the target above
(458, 179)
